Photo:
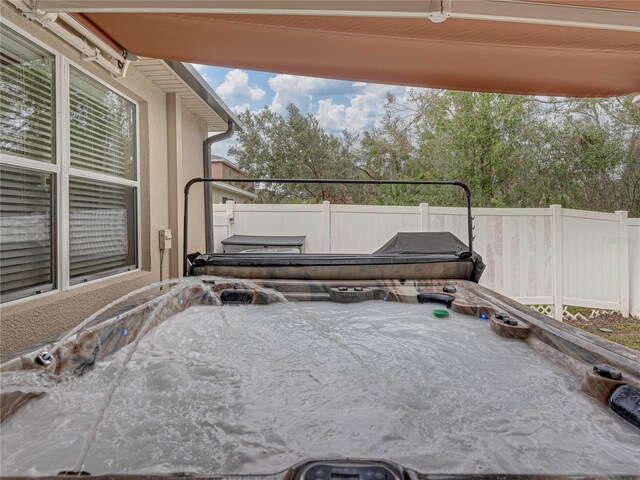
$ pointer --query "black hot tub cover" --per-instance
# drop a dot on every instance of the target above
(423, 243)
(418, 254)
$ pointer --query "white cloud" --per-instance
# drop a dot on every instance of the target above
(236, 86)
(301, 91)
(241, 108)
(221, 149)
(364, 111)
(200, 69)
(355, 106)
(331, 115)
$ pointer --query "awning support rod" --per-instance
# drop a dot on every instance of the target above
(193, 181)
(521, 11)
(89, 53)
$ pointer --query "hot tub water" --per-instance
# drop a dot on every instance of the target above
(255, 389)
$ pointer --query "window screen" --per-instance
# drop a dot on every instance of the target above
(102, 229)
(26, 232)
(102, 128)
(102, 215)
(27, 98)
(100, 173)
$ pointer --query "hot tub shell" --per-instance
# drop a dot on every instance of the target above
(574, 349)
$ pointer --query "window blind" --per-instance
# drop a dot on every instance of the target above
(102, 141)
(26, 232)
(102, 128)
(27, 98)
(101, 227)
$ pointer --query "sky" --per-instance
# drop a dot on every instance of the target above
(337, 104)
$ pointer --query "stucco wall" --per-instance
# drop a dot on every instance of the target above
(193, 135)
(221, 170)
(27, 321)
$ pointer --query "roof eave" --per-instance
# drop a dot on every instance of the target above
(230, 188)
(226, 162)
(199, 85)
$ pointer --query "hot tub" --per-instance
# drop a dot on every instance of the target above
(226, 377)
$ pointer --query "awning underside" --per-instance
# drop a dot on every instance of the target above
(459, 53)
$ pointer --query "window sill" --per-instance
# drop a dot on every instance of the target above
(52, 296)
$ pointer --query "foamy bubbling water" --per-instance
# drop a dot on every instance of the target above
(255, 389)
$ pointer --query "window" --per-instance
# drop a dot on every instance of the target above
(102, 128)
(94, 176)
(102, 213)
(27, 99)
(102, 228)
(27, 135)
(27, 250)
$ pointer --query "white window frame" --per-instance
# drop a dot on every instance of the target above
(98, 177)
(63, 171)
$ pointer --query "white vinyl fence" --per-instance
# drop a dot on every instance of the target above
(548, 257)
(634, 266)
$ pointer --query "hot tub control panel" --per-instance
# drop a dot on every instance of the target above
(348, 471)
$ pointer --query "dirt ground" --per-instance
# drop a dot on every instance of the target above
(626, 331)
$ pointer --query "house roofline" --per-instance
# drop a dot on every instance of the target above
(226, 162)
(230, 188)
(200, 87)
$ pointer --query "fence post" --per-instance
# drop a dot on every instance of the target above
(230, 207)
(623, 269)
(424, 217)
(326, 226)
(556, 216)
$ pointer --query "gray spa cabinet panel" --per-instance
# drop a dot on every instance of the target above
(290, 475)
(355, 469)
(421, 476)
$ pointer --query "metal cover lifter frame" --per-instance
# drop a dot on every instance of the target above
(193, 181)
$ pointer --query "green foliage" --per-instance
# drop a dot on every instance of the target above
(294, 146)
(483, 140)
(513, 151)
(593, 156)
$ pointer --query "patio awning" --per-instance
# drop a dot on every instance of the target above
(559, 47)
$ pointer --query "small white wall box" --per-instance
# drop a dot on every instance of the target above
(165, 239)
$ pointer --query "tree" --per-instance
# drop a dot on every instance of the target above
(294, 146)
(513, 151)
(484, 140)
(593, 159)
